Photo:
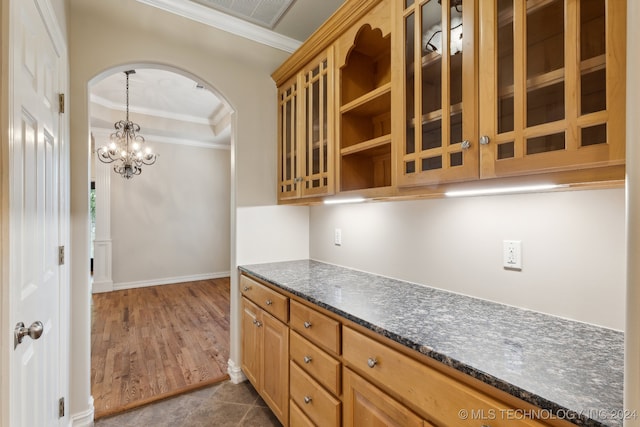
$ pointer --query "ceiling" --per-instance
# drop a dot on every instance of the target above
(173, 108)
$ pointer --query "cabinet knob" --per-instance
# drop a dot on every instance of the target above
(268, 302)
(484, 140)
(372, 361)
(465, 144)
(307, 399)
(307, 359)
(246, 288)
(257, 323)
(307, 325)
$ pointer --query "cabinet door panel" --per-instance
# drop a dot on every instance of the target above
(440, 130)
(318, 138)
(251, 346)
(548, 97)
(288, 128)
(366, 405)
(275, 372)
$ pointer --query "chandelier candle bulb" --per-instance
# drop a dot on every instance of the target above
(126, 141)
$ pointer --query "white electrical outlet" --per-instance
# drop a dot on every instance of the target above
(337, 237)
(512, 254)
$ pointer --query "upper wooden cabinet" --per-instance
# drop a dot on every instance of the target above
(305, 131)
(436, 45)
(364, 102)
(552, 85)
(409, 97)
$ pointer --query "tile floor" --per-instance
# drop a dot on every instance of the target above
(220, 405)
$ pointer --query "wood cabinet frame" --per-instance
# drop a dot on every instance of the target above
(576, 167)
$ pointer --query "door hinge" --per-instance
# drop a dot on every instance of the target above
(60, 255)
(61, 103)
(61, 407)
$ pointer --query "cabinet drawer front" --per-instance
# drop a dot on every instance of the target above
(297, 418)
(317, 403)
(269, 300)
(317, 363)
(363, 401)
(432, 394)
(315, 326)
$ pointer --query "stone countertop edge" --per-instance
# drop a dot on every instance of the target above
(547, 406)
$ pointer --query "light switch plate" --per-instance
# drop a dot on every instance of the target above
(512, 254)
(337, 237)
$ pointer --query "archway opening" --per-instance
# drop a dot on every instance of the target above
(162, 245)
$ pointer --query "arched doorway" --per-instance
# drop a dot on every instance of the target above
(171, 224)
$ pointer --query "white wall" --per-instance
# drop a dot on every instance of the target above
(171, 223)
(573, 247)
(272, 233)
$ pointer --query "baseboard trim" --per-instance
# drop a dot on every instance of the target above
(84, 418)
(235, 372)
(169, 280)
(99, 287)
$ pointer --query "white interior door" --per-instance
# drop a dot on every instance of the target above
(34, 227)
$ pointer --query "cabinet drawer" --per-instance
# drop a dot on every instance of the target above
(269, 300)
(315, 326)
(432, 394)
(297, 418)
(317, 363)
(317, 403)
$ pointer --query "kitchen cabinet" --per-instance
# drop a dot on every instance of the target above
(365, 404)
(436, 45)
(552, 85)
(426, 95)
(364, 102)
(332, 371)
(431, 393)
(305, 131)
(265, 346)
(315, 369)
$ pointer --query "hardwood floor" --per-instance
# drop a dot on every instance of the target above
(151, 343)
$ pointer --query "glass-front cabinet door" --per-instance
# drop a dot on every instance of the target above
(551, 85)
(288, 172)
(317, 135)
(440, 117)
(305, 131)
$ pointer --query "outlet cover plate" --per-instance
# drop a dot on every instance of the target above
(512, 254)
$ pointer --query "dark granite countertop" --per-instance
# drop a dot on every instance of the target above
(569, 369)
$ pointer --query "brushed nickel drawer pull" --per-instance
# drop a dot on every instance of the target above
(268, 302)
(246, 288)
(307, 359)
(257, 323)
(307, 399)
(372, 361)
(307, 325)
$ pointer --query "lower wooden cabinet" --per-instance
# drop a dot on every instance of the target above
(318, 368)
(366, 405)
(319, 405)
(265, 357)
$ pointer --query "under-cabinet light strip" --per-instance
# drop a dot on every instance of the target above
(345, 200)
(503, 190)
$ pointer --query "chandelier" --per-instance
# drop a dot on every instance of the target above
(126, 147)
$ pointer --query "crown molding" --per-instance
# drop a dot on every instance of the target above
(103, 133)
(98, 100)
(225, 22)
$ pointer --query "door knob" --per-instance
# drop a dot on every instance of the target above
(34, 331)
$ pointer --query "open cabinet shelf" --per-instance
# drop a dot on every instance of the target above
(365, 112)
